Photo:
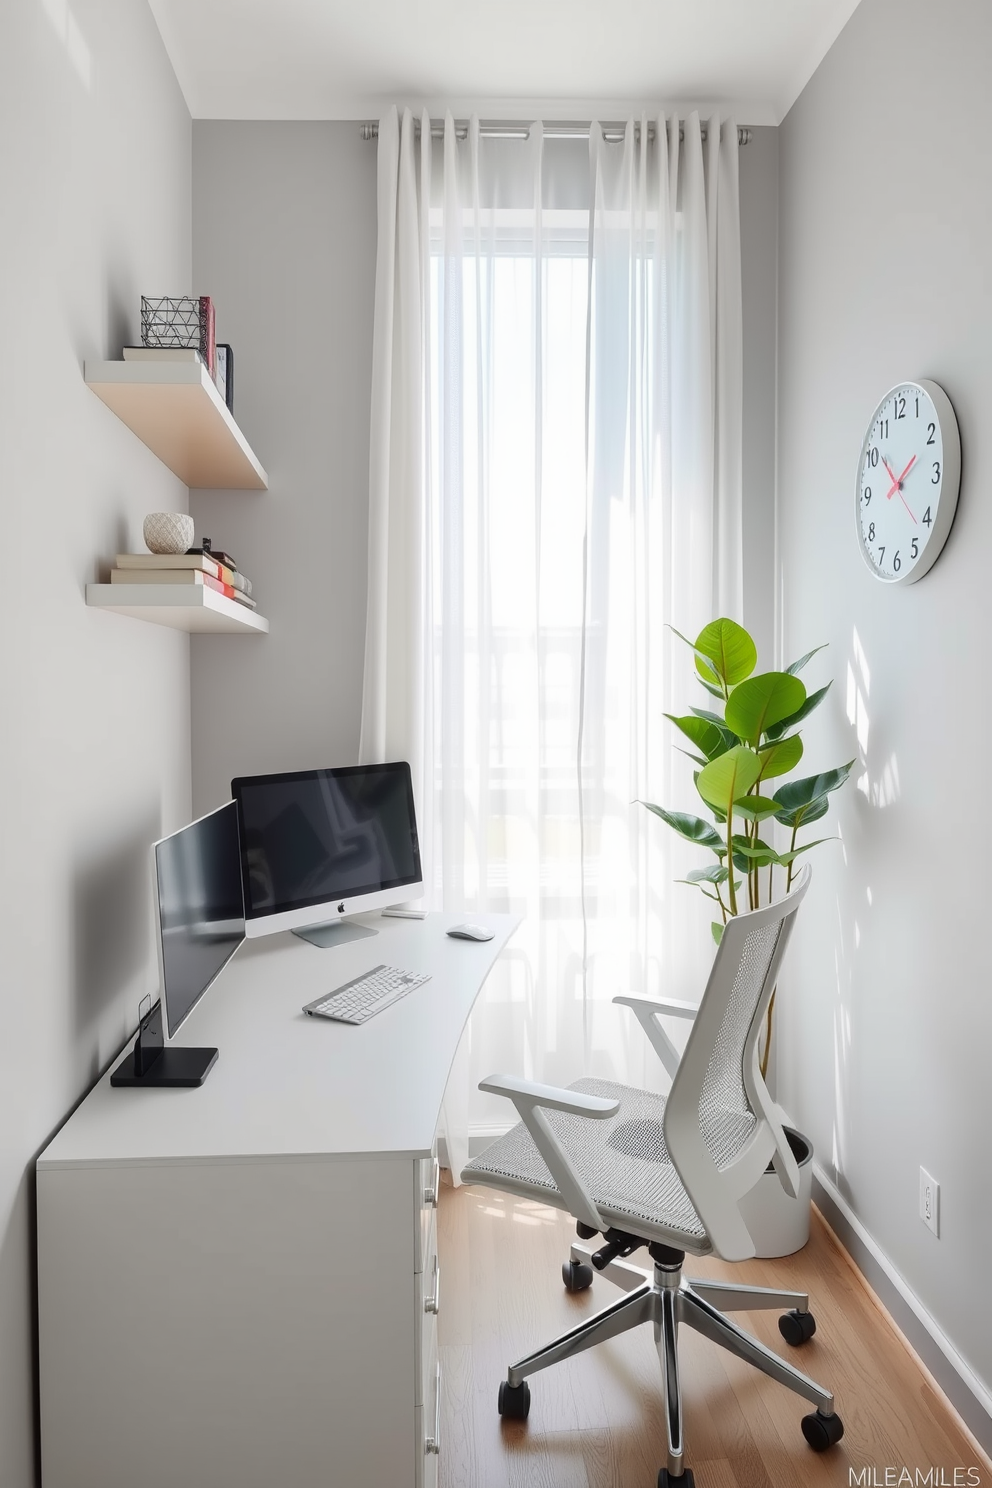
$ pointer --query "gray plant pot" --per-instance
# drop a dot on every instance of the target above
(779, 1224)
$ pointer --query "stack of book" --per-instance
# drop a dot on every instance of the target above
(189, 569)
(221, 368)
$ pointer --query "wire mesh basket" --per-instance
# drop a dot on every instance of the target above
(169, 322)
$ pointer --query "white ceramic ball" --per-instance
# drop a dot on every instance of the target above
(168, 532)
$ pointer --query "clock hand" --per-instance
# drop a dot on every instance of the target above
(906, 504)
(892, 477)
(897, 480)
(909, 467)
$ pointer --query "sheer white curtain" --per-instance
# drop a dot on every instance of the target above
(555, 478)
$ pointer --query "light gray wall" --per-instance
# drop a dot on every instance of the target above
(94, 743)
(886, 1027)
(284, 237)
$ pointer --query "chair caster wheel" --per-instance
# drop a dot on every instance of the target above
(665, 1479)
(514, 1401)
(576, 1275)
(795, 1327)
(822, 1431)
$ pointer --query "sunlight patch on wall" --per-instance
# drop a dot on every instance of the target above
(66, 28)
(841, 1038)
(887, 789)
(858, 688)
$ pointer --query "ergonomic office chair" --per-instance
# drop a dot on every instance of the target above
(642, 1170)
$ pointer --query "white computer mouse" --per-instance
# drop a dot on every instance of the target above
(471, 932)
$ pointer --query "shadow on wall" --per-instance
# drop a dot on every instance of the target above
(98, 569)
(122, 311)
(878, 788)
(112, 924)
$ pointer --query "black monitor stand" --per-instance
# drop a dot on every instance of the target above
(153, 1065)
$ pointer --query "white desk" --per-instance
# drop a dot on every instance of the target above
(235, 1281)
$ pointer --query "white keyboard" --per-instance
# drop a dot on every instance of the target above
(360, 999)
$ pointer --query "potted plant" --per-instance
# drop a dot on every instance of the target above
(743, 745)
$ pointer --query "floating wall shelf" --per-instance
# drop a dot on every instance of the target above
(174, 605)
(176, 410)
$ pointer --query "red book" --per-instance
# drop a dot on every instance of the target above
(220, 586)
(208, 334)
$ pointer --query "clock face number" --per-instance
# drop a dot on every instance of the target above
(900, 482)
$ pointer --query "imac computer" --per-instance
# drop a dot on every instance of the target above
(200, 923)
(318, 846)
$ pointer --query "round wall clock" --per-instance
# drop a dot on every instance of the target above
(908, 479)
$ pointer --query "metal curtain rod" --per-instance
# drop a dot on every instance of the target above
(613, 133)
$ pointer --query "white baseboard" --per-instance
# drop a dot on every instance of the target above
(967, 1393)
(479, 1138)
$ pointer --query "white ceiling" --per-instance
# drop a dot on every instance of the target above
(349, 59)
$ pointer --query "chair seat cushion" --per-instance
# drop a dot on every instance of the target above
(623, 1162)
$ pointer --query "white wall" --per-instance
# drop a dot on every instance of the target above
(94, 708)
(886, 217)
(284, 238)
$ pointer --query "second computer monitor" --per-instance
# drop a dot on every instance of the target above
(318, 846)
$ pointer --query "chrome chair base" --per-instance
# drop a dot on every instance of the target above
(666, 1299)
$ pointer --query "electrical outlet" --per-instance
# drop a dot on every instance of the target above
(930, 1201)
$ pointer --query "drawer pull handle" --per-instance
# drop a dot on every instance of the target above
(433, 1443)
(433, 1302)
(431, 1194)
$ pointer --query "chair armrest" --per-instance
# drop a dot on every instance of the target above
(647, 1013)
(553, 1097)
(668, 1005)
(529, 1097)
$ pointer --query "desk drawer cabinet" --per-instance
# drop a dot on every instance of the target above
(429, 1423)
(426, 1191)
(238, 1325)
(238, 1284)
(427, 1301)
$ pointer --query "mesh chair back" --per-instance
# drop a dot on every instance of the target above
(721, 1125)
(726, 1119)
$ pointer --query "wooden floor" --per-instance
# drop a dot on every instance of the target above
(596, 1420)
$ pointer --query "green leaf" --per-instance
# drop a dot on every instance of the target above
(730, 739)
(730, 650)
(716, 874)
(705, 892)
(697, 759)
(781, 757)
(708, 736)
(787, 857)
(804, 792)
(728, 777)
(705, 669)
(759, 860)
(692, 828)
(813, 701)
(801, 816)
(797, 666)
(762, 701)
(717, 930)
(754, 852)
(756, 808)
